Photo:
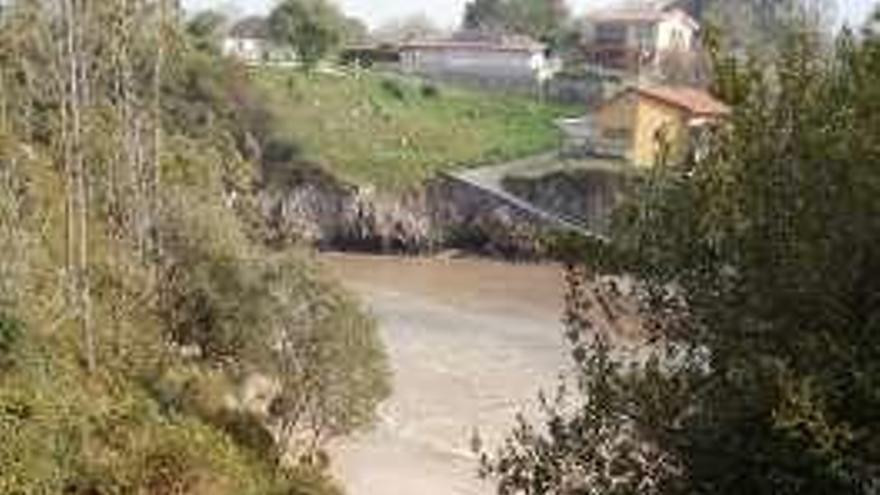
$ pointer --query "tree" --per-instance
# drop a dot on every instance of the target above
(542, 19)
(354, 30)
(599, 434)
(205, 29)
(313, 28)
(757, 276)
(484, 15)
(418, 26)
(759, 26)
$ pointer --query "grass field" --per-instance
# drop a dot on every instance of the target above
(394, 133)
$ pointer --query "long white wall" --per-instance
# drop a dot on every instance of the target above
(481, 63)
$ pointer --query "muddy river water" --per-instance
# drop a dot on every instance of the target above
(471, 342)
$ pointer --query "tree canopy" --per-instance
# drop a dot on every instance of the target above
(756, 271)
(205, 29)
(542, 19)
(418, 26)
(759, 26)
(313, 28)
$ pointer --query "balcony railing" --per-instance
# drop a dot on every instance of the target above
(618, 56)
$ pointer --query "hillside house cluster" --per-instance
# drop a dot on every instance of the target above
(491, 61)
(638, 121)
(649, 118)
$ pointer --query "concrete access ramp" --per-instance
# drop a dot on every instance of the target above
(546, 190)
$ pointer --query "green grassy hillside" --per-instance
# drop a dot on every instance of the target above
(394, 133)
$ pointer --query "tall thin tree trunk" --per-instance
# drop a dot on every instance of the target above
(66, 67)
(3, 103)
(157, 123)
(78, 77)
(83, 95)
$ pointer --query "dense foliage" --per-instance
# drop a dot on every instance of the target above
(149, 342)
(541, 19)
(759, 26)
(756, 271)
(313, 28)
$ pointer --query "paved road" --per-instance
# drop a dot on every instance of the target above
(471, 343)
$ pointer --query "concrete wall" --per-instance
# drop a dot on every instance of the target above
(587, 92)
(587, 197)
(616, 123)
(506, 67)
(658, 126)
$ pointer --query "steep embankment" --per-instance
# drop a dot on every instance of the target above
(392, 134)
(353, 159)
(139, 304)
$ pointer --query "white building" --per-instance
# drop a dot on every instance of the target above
(504, 62)
(631, 39)
(249, 41)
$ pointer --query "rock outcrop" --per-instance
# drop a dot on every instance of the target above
(442, 214)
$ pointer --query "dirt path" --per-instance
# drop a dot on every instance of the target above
(471, 343)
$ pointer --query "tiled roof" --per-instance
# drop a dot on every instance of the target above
(696, 101)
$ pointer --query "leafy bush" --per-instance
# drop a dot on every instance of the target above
(430, 91)
(394, 89)
(245, 308)
(590, 438)
(10, 334)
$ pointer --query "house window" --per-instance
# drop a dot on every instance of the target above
(647, 37)
(611, 34)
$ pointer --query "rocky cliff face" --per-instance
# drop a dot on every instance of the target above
(444, 214)
(338, 217)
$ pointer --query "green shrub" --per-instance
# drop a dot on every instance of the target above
(430, 91)
(249, 432)
(10, 334)
(393, 89)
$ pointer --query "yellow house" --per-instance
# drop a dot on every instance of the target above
(648, 123)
